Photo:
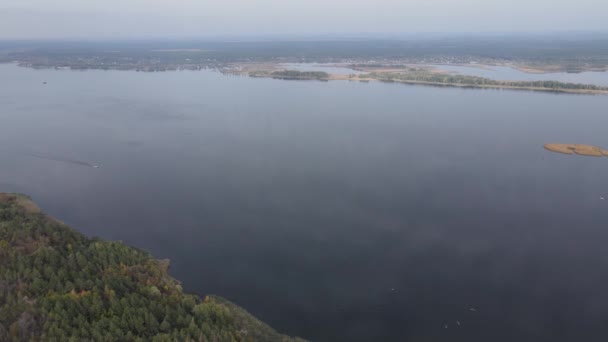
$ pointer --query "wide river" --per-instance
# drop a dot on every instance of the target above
(335, 211)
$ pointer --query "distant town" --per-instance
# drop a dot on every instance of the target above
(534, 55)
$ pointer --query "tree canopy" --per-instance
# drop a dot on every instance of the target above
(58, 285)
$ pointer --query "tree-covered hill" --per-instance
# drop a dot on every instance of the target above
(58, 285)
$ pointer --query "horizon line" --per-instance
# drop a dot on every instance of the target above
(316, 36)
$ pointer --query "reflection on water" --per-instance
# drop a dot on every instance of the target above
(336, 211)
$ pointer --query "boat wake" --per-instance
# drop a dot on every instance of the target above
(64, 160)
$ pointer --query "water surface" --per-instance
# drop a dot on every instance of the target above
(336, 211)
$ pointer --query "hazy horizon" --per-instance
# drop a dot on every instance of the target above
(320, 37)
(190, 19)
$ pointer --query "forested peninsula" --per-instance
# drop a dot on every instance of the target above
(58, 285)
(425, 77)
(428, 76)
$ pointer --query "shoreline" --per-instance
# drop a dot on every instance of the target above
(111, 272)
(336, 77)
(460, 85)
(264, 70)
(578, 149)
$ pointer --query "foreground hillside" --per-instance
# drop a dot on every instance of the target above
(58, 285)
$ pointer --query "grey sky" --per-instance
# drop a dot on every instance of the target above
(202, 18)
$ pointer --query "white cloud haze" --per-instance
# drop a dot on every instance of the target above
(200, 18)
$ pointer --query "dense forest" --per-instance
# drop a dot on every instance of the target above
(295, 74)
(58, 285)
(291, 74)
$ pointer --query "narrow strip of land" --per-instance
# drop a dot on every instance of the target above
(580, 149)
(430, 77)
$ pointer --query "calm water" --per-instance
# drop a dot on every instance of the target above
(335, 211)
(509, 74)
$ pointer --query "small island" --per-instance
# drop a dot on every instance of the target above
(583, 150)
(58, 285)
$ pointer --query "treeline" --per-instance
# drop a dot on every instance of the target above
(296, 74)
(426, 76)
(57, 285)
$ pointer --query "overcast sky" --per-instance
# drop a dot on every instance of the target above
(125, 19)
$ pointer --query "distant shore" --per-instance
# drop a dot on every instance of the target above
(416, 76)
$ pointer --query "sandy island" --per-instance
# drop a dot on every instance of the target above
(583, 150)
